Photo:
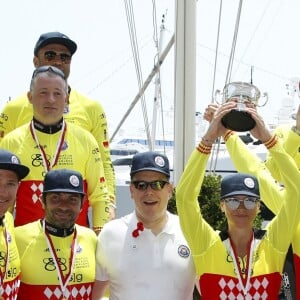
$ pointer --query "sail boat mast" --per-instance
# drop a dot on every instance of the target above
(145, 85)
(157, 92)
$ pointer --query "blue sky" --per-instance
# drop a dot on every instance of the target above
(103, 67)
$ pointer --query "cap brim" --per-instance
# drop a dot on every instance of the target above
(149, 169)
(242, 193)
(72, 46)
(22, 171)
(63, 191)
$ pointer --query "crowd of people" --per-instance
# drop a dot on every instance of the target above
(55, 167)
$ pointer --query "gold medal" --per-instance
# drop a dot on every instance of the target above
(61, 299)
(2, 298)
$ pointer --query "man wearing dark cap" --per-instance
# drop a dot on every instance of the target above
(56, 49)
(144, 255)
(57, 255)
(241, 262)
(11, 172)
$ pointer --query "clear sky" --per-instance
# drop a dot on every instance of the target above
(103, 66)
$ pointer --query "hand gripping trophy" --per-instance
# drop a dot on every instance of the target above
(246, 95)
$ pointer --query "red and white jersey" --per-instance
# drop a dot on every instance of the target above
(79, 152)
(249, 163)
(81, 110)
(214, 262)
(9, 260)
(40, 278)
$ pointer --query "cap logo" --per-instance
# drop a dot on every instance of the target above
(74, 180)
(249, 183)
(14, 160)
(159, 161)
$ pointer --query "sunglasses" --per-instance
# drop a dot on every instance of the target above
(52, 55)
(50, 69)
(233, 202)
(156, 185)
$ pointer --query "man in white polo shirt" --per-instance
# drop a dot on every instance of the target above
(144, 254)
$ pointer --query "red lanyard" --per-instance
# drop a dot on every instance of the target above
(63, 279)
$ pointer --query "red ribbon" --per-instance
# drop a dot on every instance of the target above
(139, 227)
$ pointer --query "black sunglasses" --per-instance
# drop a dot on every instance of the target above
(156, 185)
(50, 69)
(52, 55)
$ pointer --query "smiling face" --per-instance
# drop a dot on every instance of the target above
(62, 209)
(150, 204)
(9, 184)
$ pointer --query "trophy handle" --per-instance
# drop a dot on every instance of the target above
(217, 97)
(266, 99)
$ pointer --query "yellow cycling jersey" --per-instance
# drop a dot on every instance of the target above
(9, 261)
(82, 111)
(291, 143)
(214, 263)
(40, 278)
(246, 161)
(79, 151)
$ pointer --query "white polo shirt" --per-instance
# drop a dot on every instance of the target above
(148, 266)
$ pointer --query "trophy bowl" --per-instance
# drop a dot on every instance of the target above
(238, 120)
(245, 95)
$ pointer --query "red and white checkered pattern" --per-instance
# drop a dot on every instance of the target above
(37, 191)
(233, 291)
(75, 292)
(10, 290)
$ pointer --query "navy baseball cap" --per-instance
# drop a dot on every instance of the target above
(9, 161)
(239, 184)
(63, 181)
(55, 37)
(150, 161)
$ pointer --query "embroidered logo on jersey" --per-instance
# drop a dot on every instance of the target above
(37, 160)
(64, 146)
(4, 116)
(95, 150)
(184, 251)
(102, 116)
(66, 110)
(79, 249)
(8, 239)
(74, 180)
(49, 264)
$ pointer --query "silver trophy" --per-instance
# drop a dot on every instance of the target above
(245, 95)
